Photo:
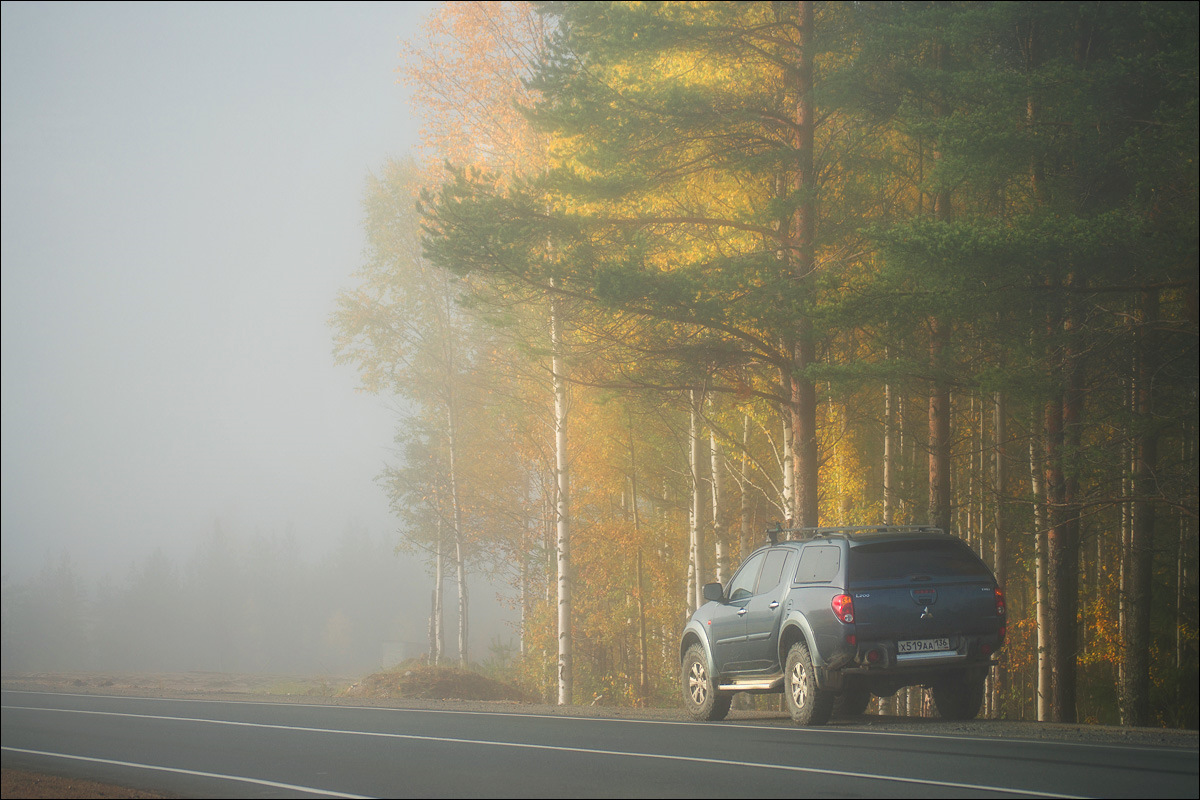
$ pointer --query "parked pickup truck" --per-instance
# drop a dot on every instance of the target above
(831, 616)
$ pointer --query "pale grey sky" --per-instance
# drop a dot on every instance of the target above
(181, 203)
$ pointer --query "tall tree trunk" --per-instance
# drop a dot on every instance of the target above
(1045, 672)
(1068, 560)
(1136, 689)
(1062, 438)
(460, 563)
(1057, 556)
(1129, 462)
(697, 514)
(643, 656)
(744, 482)
(904, 460)
(718, 505)
(788, 500)
(523, 583)
(845, 499)
(1188, 446)
(999, 534)
(939, 395)
(437, 647)
(889, 456)
(972, 531)
(450, 362)
(562, 506)
(801, 236)
(939, 431)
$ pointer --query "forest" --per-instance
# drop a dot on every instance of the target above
(234, 603)
(667, 274)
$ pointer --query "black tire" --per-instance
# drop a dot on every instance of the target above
(959, 697)
(807, 704)
(852, 702)
(700, 696)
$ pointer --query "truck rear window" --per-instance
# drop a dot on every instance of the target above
(904, 559)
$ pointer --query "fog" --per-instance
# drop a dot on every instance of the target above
(182, 191)
(235, 604)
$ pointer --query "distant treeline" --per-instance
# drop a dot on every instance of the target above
(237, 604)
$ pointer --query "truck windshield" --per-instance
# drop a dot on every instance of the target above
(903, 559)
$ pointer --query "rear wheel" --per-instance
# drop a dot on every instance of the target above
(807, 704)
(700, 696)
(959, 697)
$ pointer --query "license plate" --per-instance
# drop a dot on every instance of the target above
(922, 646)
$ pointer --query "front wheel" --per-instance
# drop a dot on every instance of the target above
(807, 704)
(700, 696)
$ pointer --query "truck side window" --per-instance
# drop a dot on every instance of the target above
(742, 585)
(818, 564)
(772, 570)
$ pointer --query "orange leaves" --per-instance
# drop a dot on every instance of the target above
(466, 72)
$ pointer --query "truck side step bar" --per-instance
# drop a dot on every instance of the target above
(759, 684)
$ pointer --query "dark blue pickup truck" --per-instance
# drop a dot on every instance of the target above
(831, 616)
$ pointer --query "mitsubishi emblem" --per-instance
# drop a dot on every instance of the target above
(925, 614)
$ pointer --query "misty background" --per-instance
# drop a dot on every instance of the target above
(188, 482)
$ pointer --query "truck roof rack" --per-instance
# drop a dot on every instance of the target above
(800, 534)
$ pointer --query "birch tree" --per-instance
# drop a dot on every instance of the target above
(469, 72)
(401, 327)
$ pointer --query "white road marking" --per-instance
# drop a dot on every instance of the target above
(562, 749)
(1043, 743)
(196, 773)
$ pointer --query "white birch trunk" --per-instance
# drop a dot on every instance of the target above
(643, 655)
(744, 533)
(904, 451)
(460, 565)
(718, 498)
(789, 471)
(999, 539)
(1044, 671)
(437, 615)
(1126, 533)
(889, 458)
(562, 507)
(524, 619)
(696, 598)
(888, 705)
(1182, 580)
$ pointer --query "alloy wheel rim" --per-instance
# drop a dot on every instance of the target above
(697, 683)
(799, 685)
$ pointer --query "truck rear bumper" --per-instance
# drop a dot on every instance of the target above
(884, 655)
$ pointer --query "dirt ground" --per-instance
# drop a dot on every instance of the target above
(177, 684)
(17, 783)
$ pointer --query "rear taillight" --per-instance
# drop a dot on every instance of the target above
(999, 603)
(843, 608)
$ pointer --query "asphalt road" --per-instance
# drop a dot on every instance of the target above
(216, 748)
